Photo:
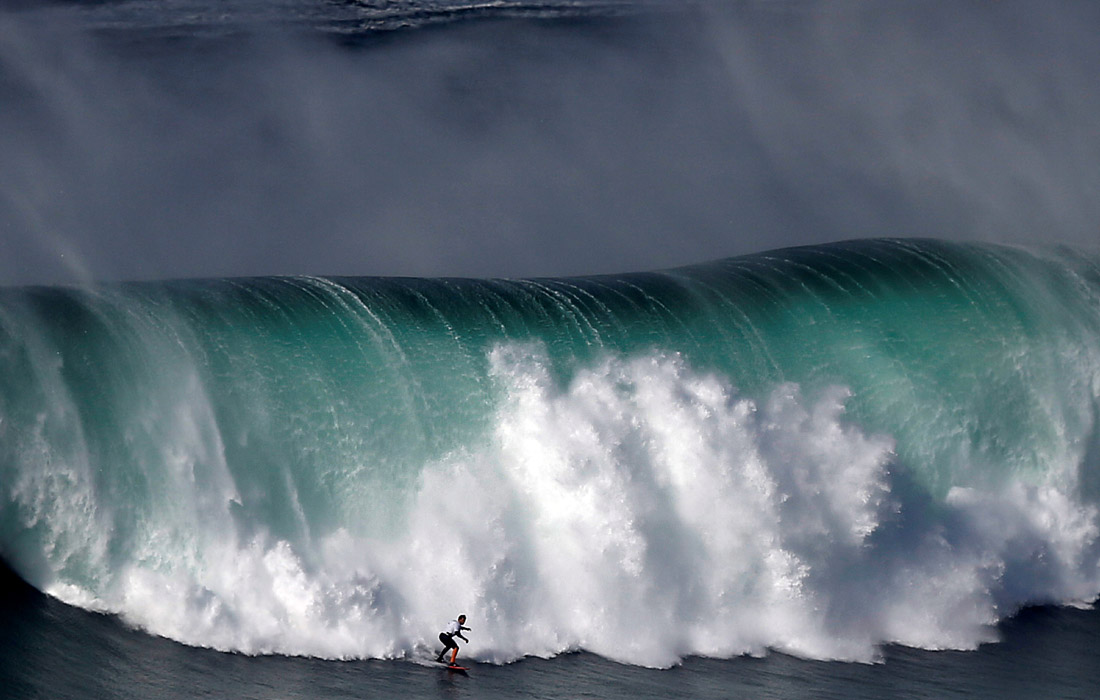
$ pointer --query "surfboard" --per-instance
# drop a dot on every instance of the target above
(458, 669)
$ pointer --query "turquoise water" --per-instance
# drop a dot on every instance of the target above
(795, 450)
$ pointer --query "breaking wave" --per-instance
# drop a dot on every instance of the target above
(817, 450)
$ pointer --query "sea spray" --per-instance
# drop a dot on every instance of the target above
(816, 450)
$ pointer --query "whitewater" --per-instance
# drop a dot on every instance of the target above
(817, 450)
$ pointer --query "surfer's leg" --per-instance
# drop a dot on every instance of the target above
(454, 655)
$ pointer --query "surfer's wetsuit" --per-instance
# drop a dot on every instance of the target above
(454, 629)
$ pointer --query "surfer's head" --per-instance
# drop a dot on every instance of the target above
(461, 619)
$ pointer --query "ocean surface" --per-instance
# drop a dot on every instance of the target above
(861, 468)
(51, 650)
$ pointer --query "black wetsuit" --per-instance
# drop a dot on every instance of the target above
(448, 638)
(448, 644)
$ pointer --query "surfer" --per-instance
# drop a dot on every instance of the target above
(454, 629)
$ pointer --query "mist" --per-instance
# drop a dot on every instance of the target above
(608, 138)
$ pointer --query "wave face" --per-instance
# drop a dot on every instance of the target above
(818, 450)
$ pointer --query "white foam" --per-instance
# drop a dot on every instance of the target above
(644, 512)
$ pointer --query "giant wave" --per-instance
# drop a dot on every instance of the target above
(817, 450)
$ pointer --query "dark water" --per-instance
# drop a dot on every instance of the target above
(51, 650)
